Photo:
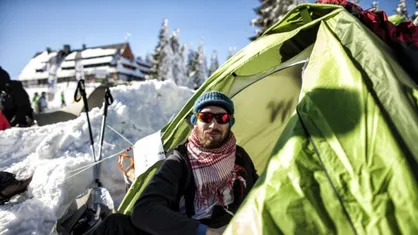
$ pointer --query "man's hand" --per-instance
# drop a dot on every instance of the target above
(211, 231)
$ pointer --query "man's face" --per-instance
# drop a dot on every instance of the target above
(212, 135)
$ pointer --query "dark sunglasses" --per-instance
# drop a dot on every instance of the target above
(221, 118)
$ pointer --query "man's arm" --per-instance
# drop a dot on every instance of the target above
(153, 211)
(248, 163)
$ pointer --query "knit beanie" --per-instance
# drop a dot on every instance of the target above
(213, 98)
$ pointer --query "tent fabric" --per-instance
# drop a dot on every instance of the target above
(401, 35)
(330, 119)
(346, 174)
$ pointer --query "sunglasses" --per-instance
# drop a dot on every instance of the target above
(221, 118)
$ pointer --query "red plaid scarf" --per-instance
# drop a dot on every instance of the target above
(214, 170)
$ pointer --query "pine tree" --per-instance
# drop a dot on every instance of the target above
(79, 70)
(199, 72)
(375, 5)
(415, 16)
(148, 58)
(214, 64)
(270, 12)
(191, 61)
(178, 66)
(231, 52)
(401, 9)
(160, 63)
(185, 81)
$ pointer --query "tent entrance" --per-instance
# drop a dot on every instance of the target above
(264, 104)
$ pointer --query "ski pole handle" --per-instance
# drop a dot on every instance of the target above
(80, 91)
(108, 97)
(108, 100)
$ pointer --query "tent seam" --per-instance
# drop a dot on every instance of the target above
(345, 212)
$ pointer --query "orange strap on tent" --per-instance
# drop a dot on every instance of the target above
(120, 162)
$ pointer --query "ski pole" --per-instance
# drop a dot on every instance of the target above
(108, 100)
(81, 89)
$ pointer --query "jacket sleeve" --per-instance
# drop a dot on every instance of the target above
(154, 211)
(248, 164)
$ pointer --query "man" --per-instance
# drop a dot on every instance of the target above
(42, 104)
(14, 101)
(63, 104)
(35, 102)
(200, 185)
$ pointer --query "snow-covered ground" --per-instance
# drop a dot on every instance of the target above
(52, 153)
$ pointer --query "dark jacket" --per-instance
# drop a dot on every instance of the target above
(156, 211)
(15, 104)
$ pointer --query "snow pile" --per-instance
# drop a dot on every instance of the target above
(52, 153)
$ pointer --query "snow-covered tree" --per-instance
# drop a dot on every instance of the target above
(161, 61)
(401, 9)
(375, 5)
(191, 59)
(183, 54)
(270, 12)
(179, 73)
(214, 64)
(79, 70)
(148, 58)
(199, 72)
(231, 52)
(415, 16)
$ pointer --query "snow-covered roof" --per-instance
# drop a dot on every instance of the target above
(37, 66)
(89, 53)
(99, 60)
(38, 62)
(142, 62)
(144, 69)
(136, 72)
(127, 61)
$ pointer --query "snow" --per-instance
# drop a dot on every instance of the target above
(128, 62)
(123, 70)
(144, 69)
(38, 62)
(94, 52)
(99, 70)
(94, 56)
(52, 153)
(91, 61)
(124, 61)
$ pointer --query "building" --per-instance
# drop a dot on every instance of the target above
(114, 62)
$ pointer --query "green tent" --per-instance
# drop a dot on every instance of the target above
(330, 120)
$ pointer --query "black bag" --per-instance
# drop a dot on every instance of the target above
(85, 213)
(10, 186)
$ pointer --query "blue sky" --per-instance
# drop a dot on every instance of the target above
(29, 26)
